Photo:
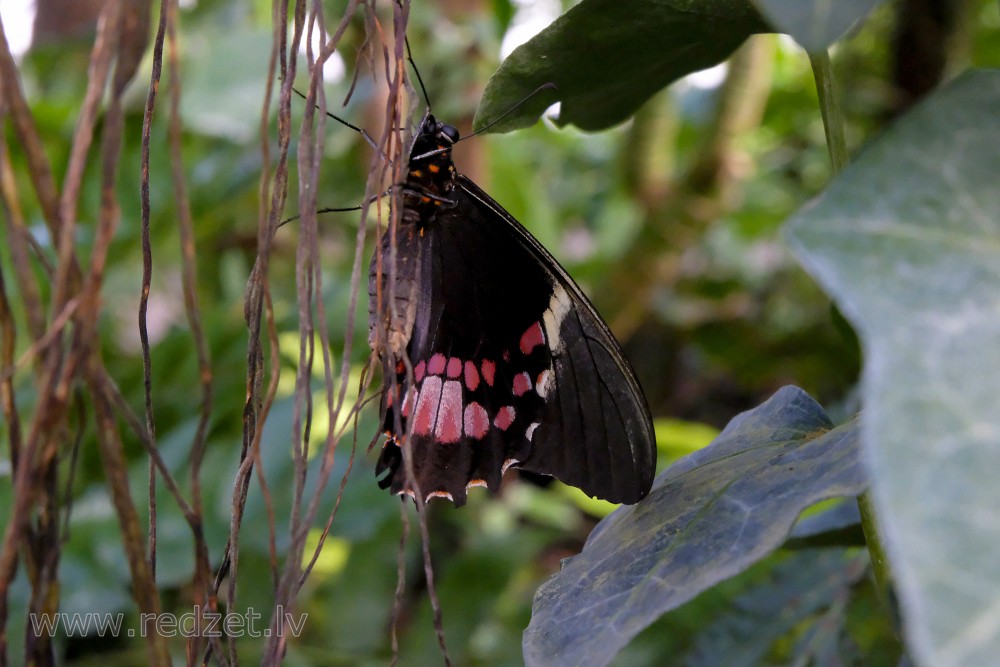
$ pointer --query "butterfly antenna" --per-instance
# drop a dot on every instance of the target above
(544, 86)
(363, 132)
(409, 56)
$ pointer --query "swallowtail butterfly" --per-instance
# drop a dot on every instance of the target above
(511, 364)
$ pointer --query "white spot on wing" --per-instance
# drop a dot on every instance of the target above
(506, 464)
(559, 305)
(409, 401)
(530, 431)
(544, 384)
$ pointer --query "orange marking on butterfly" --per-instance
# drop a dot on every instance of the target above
(434, 168)
(416, 173)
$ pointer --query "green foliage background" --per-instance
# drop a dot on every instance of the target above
(731, 319)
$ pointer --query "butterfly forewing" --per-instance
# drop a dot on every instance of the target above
(511, 364)
(596, 427)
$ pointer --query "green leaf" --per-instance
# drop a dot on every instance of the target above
(837, 525)
(503, 11)
(606, 58)
(815, 24)
(907, 240)
(808, 588)
(708, 517)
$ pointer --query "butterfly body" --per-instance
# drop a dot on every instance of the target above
(511, 365)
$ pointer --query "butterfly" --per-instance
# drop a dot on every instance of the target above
(511, 364)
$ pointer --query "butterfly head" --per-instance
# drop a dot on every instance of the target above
(431, 171)
(442, 132)
(433, 142)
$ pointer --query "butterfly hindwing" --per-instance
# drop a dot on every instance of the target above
(511, 364)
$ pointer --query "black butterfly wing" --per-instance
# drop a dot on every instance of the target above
(512, 366)
(596, 432)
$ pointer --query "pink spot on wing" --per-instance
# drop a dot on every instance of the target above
(505, 417)
(477, 422)
(409, 401)
(449, 421)
(418, 370)
(506, 355)
(471, 376)
(427, 406)
(522, 384)
(532, 338)
(454, 367)
(489, 371)
(436, 365)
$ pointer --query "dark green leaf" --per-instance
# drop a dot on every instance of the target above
(842, 515)
(607, 58)
(503, 10)
(907, 240)
(839, 525)
(708, 517)
(806, 585)
(815, 24)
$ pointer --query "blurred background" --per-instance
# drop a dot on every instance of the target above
(669, 222)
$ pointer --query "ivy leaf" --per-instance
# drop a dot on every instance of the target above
(907, 240)
(839, 525)
(804, 593)
(708, 517)
(606, 58)
(815, 24)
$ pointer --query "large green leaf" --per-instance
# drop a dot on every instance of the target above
(607, 57)
(708, 517)
(839, 525)
(804, 595)
(907, 240)
(815, 24)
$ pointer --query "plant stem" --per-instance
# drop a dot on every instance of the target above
(833, 125)
(876, 549)
(829, 106)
